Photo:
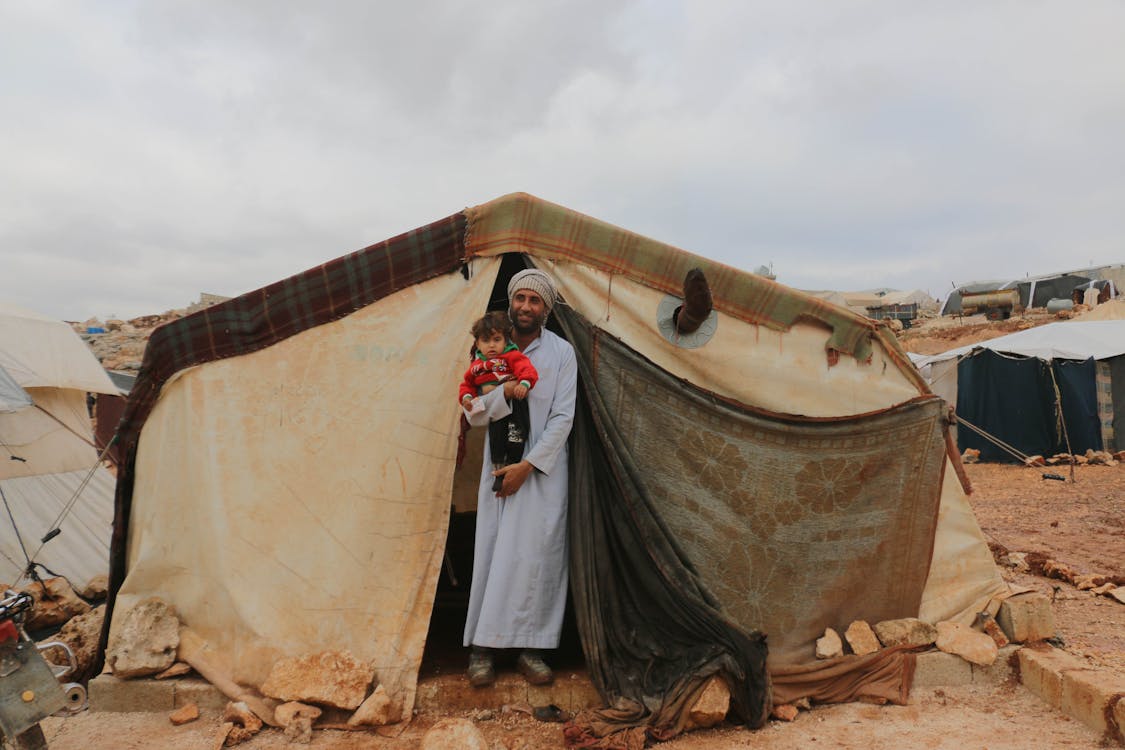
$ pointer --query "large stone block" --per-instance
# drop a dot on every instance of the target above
(1041, 672)
(939, 669)
(1026, 618)
(114, 695)
(1088, 696)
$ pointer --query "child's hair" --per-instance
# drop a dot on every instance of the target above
(497, 320)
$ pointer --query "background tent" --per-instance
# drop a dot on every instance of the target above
(952, 304)
(52, 445)
(1007, 387)
(290, 462)
(1039, 291)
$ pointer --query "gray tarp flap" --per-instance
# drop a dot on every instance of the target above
(651, 632)
(12, 396)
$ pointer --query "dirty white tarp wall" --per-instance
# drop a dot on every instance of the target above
(296, 499)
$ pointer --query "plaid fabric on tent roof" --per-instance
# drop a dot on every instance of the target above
(261, 318)
(524, 223)
(273, 313)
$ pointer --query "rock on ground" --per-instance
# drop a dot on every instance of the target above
(712, 705)
(829, 645)
(333, 678)
(861, 638)
(375, 711)
(146, 641)
(81, 634)
(907, 631)
(454, 733)
(969, 644)
(55, 603)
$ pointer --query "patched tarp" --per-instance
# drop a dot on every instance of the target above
(794, 525)
(289, 454)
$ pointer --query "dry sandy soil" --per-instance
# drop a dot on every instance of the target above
(1080, 524)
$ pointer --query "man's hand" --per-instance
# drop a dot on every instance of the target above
(514, 477)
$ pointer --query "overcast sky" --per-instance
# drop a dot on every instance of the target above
(152, 150)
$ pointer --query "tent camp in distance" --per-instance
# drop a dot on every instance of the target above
(1056, 388)
(291, 467)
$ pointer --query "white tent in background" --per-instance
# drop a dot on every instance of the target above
(49, 447)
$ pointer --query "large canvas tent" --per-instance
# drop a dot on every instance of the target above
(1044, 390)
(290, 461)
(49, 454)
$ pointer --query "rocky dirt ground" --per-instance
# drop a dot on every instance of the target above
(1081, 524)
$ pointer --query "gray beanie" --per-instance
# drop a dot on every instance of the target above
(536, 281)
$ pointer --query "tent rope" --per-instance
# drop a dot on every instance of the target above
(54, 529)
(993, 439)
(15, 528)
(1061, 419)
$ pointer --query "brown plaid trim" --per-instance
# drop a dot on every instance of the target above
(273, 313)
(523, 223)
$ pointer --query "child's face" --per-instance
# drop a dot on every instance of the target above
(492, 344)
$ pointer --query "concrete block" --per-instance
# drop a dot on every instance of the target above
(1001, 670)
(1089, 695)
(1041, 671)
(108, 693)
(200, 692)
(1027, 617)
(939, 669)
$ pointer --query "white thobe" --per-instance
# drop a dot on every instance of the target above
(518, 593)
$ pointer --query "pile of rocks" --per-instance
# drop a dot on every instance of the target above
(1022, 618)
(1090, 458)
(1036, 563)
(120, 344)
(80, 614)
(976, 646)
(325, 689)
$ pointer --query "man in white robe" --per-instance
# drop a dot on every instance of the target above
(519, 586)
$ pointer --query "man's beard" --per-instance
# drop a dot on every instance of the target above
(537, 322)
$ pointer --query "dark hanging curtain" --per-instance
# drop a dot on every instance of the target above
(1077, 387)
(1014, 399)
(652, 634)
(1010, 398)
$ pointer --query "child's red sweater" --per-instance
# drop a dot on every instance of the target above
(510, 365)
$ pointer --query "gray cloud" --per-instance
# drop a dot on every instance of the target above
(156, 150)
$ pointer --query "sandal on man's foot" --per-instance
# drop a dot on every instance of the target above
(534, 669)
(481, 672)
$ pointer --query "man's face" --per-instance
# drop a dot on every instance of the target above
(492, 344)
(528, 311)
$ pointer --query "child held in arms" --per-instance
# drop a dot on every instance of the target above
(496, 359)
